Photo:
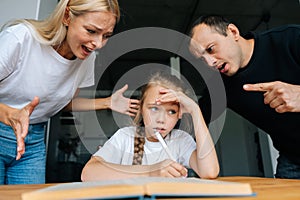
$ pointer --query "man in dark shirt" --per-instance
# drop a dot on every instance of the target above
(261, 74)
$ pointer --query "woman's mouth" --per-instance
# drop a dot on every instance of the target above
(86, 49)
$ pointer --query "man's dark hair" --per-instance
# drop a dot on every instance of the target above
(217, 22)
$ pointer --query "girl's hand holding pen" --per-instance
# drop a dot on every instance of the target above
(168, 168)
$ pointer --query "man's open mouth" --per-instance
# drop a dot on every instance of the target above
(222, 67)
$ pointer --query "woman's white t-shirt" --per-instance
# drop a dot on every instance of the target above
(119, 148)
(28, 69)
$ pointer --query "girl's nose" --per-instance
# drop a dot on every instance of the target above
(160, 118)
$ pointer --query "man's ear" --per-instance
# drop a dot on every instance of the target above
(234, 31)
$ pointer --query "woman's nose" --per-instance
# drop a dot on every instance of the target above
(98, 42)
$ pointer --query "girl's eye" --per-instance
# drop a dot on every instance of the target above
(172, 112)
(154, 109)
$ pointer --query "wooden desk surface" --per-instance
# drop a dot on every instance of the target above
(265, 188)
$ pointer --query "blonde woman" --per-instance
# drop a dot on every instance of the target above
(135, 151)
(42, 66)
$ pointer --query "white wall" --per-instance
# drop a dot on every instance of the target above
(46, 7)
(32, 9)
(14, 9)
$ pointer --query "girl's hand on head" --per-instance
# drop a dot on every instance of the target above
(169, 168)
(187, 105)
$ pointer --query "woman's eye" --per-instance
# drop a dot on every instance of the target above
(107, 36)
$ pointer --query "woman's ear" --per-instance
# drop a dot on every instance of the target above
(67, 19)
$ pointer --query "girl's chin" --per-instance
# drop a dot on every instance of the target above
(164, 133)
(152, 139)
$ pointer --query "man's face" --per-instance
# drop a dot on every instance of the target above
(220, 52)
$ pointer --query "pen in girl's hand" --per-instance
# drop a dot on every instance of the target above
(164, 145)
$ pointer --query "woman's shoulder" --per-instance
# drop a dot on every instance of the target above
(20, 31)
(17, 28)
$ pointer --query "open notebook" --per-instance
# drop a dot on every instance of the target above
(141, 188)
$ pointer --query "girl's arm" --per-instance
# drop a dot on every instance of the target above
(98, 169)
(204, 159)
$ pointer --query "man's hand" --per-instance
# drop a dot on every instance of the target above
(283, 97)
(122, 104)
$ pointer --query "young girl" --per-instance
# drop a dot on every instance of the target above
(135, 151)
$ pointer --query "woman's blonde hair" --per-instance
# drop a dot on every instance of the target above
(52, 31)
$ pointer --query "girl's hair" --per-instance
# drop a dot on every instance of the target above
(217, 22)
(52, 31)
(165, 80)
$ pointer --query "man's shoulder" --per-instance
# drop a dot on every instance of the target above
(284, 29)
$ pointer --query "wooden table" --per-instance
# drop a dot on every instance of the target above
(268, 188)
(265, 188)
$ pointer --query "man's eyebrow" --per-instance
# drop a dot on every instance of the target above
(196, 50)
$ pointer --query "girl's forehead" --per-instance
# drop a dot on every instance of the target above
(154, 91)
(157, 88)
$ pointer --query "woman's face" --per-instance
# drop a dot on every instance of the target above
(86, 33)
(161, 117)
